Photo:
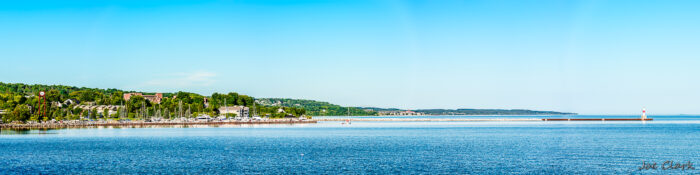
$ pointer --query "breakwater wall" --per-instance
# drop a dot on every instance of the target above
(597, 119)
(478, 120)
(425, 119)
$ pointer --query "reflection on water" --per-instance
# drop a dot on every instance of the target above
(49, 131)
(655, 117)
(588, 147)
(25, 131)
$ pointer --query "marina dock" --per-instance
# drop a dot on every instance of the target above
(141, 124)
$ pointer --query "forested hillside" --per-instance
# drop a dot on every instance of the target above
(317, 108)
(21, 102)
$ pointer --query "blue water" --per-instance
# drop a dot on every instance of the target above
(589, 147)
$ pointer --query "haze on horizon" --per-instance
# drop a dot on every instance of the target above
(589, 57)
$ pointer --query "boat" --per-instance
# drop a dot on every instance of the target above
(204, 117)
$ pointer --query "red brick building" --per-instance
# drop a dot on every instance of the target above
(153, 98)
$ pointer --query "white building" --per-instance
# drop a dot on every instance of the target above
(240, 111)
(111, 109)
(400, 113)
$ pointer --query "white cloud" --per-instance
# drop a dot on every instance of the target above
(183, 80)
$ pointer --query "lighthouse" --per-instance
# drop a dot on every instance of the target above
(644, 114)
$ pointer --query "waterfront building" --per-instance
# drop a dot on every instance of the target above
(240, 111)
(153, 98)
(290, 116)
(56, 104)
(401, 113)
(70, 102)
(111, 109)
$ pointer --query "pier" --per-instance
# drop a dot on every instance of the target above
(480, 120)
(429, 119)
(597, 119)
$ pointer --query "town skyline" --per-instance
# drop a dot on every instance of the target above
(588, 57)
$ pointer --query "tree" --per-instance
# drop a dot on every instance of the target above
(58, 115)
(105, 113)
(20, 113)
(117, 98)
(35, 117)
(93, 113)
(20, 99)
(53, 95)
(86, 95)
(136, 103)
(232, 98)
(119, 113)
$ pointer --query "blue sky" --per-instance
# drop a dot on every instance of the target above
(591, 57)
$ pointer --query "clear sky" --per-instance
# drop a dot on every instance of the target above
(590, 57)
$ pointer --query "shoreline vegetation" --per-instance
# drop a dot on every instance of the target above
(24, 104)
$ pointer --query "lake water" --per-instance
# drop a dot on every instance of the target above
(588, 147)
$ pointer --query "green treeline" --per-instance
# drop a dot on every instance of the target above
(21, 102)
(317, 108)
